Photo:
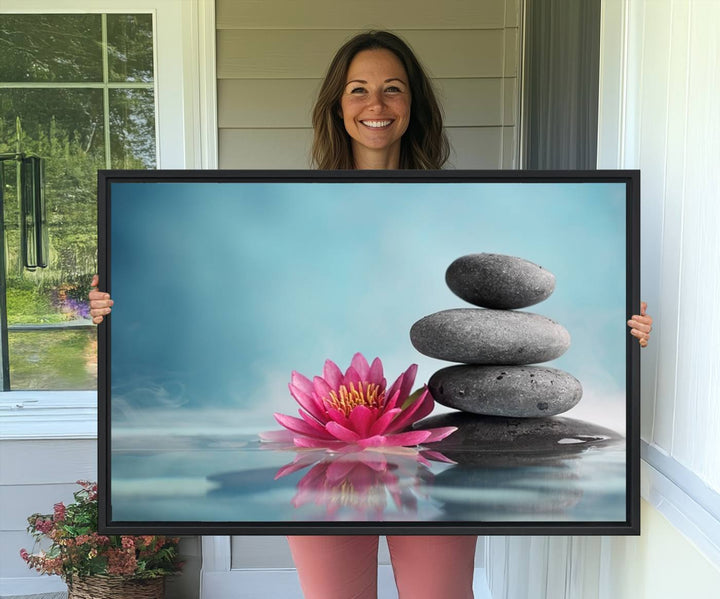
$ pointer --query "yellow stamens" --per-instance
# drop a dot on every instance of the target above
(365, 394)
(345, 495)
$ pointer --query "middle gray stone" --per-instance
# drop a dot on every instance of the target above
(515, 391)
(480, 336)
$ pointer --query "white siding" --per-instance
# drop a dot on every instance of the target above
(671, 132)
(34, 475)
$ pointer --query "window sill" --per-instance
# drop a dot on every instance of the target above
(683, 498)
(48, 415)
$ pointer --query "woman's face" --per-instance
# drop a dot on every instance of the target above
(375, 104)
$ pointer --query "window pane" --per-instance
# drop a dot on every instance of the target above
(74, 116)
(132, 128)
(50, 48)
(52, 343)
(130, 47)
(65, 127)
(55, 359)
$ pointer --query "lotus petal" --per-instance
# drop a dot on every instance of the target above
(316, 426)
(395, 387)
(338, 470)
(408, 438)
(376, 373)
(391, 403)
(340, 432)
(309, 442)
(362, 419)
(414, 412)
(299, 426)
(332, 374)
(382, 423)
(307, 401)
(352, 376)
(436, 456)
(300, 462)
(301, 382)
(277, 436)
(437, 434)
(339, 417)
(321, 387)
(360, 365)
(408, 380)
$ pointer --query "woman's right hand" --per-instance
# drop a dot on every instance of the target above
(100, 302)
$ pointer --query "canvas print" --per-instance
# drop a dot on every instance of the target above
(306, 352)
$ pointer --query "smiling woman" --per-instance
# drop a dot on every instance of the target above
(377, 109)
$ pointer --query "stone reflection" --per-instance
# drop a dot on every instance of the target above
(491, 494)
(514, 468)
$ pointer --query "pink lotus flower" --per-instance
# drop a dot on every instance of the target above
(356, 408)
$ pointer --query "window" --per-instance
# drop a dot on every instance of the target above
(76, 90)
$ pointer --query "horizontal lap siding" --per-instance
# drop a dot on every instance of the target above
(350, 14)
(287, 103)
(271, 59)
(246, 148)
(45, 475)
(281, 54)
(264, 148)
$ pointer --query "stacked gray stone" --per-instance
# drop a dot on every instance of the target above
(498, 347)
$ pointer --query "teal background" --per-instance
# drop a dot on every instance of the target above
(222, 289)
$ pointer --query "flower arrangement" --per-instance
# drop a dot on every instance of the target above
(356, 407)
(78, 551)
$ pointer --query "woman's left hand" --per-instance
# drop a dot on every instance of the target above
(641, 325)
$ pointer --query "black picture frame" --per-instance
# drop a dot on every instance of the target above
(114, 196)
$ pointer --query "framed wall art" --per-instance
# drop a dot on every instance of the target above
(380, 352)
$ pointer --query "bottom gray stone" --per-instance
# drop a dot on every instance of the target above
(494, 440)
(526, 469)
(513, 391)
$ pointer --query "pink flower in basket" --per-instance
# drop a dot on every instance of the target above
(75, 551)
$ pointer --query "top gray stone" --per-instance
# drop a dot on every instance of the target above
(498, 281)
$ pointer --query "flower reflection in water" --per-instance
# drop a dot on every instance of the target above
(355, 483)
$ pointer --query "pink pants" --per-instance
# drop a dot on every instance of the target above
(337, 567)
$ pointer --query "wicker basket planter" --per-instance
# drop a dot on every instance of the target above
(116, 587)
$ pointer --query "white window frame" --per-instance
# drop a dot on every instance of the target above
(186, 130)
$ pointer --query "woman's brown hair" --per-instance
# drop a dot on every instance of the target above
(424, 144)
